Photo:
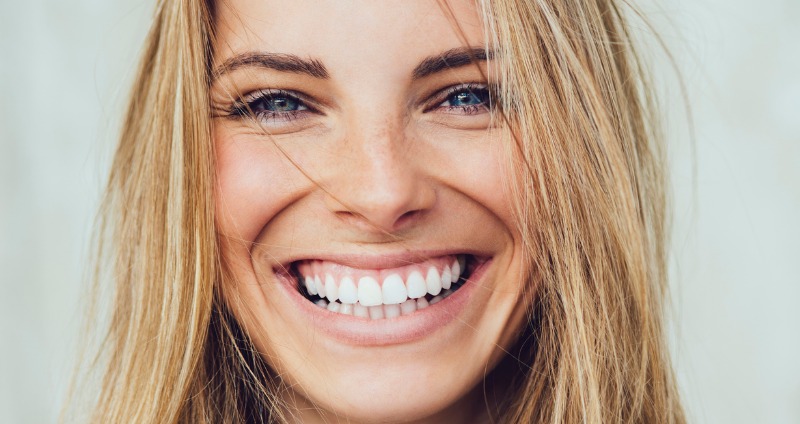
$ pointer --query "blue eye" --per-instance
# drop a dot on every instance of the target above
(468, 98)
(270, 104)
(277, 103)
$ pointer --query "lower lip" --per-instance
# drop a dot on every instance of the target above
(389, 331)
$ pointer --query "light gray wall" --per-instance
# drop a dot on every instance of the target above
(64, 72)
(736, 243)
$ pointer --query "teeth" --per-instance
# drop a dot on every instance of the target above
(360, 311)
(376, 312)
(382, 311)
(446, 278)
(331, 288)
(391, 311)
(455, 272)
(346, 309)
(310, 286)
(369, 292)
(320, 287)
(416, 285)
(408, 307)
(371, 298)
(347, 291)
(394, 291)
(433, 281)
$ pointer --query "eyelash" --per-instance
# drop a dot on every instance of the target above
(248, 106)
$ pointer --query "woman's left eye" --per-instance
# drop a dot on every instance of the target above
(466, 99)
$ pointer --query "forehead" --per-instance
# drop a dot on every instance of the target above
(347, 34)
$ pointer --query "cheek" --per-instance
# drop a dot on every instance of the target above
(479, 169)
(254, 183)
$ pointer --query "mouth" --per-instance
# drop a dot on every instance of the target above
(384, 293)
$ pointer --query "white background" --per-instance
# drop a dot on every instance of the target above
(65, 68)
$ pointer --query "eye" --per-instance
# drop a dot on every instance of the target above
(271, 105)
(465, 99)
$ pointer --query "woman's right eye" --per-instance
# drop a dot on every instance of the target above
(270, 106)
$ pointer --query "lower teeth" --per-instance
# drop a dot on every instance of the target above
(385, 311)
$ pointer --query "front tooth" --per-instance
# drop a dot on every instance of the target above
(394, 291)
(347, 291)
(346, 309)
(334, 306)
(369, 292)
(391, 311)
(360, 311)
(422, 303)
(455, 272)
(331, 289)
(376, 312)
(311, 288)
(320, 286)
(446, 278)
(322, 303)
(435, 300)
(408, 307)
(416, 285)
(433, 281)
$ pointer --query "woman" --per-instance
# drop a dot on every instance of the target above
(416, 211)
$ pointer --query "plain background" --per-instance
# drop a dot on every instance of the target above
(65, 68)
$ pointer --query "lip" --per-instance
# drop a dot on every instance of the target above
(358, 331)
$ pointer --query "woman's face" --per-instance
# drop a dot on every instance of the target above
(357, 159)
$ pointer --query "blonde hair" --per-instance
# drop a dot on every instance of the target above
(590, 202)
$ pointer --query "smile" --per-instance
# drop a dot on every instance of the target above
(389, 286)
(382, 293)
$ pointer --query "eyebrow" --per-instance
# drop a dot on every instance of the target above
(278, 61)
(453, 58)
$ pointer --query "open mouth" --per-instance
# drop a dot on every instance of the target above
(382, 293)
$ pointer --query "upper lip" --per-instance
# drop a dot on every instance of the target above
(381, 261)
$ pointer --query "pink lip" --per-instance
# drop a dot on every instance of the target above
(365, 332)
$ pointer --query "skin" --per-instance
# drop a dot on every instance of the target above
(378, 167)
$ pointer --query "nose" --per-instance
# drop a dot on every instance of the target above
(380, 183)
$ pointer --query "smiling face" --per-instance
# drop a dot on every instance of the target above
(360, 200)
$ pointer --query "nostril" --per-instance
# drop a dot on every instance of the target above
(407, 218)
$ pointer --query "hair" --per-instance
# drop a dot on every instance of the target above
(590, 201)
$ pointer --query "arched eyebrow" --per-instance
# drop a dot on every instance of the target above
(278, 61)
(453, 58)
(283, 62)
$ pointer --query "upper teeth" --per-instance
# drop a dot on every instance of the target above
(388, 287)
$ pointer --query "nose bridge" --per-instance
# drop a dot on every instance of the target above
(378, 185)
